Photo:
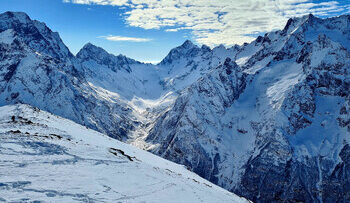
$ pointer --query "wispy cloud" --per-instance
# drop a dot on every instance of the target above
(99, 2)
(125, 39)
(218, 22)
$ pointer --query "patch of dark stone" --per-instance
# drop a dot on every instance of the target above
(57, 136)
(25, 120)
(242, 131)
(21, 120)
(14, 131)
(195, 180)
(51, 136)
(116, 151)
(179, 174)
(11, 71)
(207, 185)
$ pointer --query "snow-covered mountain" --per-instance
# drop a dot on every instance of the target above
(268, 120)
(45, 158)
(148, 90)
(36, 68)
(115, 95)
(34, 34)
(275, 128)
(187, 63)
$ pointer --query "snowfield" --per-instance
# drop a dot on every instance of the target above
(47, 158)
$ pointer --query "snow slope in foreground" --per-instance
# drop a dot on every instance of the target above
(47, 158)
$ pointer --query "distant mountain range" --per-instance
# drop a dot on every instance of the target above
(268, 120)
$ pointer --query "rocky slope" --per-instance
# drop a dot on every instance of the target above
(280, 132)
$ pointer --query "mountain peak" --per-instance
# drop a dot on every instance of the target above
(101, 56)
(205, 48)
(186, 49)
(221, 47)
(89, 44)
(310, 16)
(298, 21)
(34, 34)
(20, 16)
(188, 44)
(90, 49)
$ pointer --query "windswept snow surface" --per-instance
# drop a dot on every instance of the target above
(47, 158)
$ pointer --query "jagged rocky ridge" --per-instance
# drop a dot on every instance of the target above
(277, 109)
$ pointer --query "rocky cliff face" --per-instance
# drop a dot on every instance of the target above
(284, 135)
(187, 133)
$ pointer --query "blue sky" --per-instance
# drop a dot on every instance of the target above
(147, 29)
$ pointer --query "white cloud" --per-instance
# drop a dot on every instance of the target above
(214, 22)
(99, 2)
(125, 39)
